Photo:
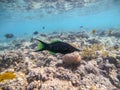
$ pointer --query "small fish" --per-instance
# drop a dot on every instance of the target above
(35, 32)
(81, 26)
(43, 27)
(56, 47)
(93, 31)
(110, 32)
(9, 35)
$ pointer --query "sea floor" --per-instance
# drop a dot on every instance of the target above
(99, 68)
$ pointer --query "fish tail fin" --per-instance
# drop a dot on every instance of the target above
(78, 49)
(42, 46)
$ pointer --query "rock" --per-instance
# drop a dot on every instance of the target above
(118, 77)
(42, 74)
(34, 85)
(114, 61)
(118, 57)
(113, 77)
(57, 85)
(83, 34)
(116, 34)
(91, 67)
(93, 41)
(19, 83)
(34, 74)
(11, 59)
(102, 33)
(98, 81)
(72, 58)
(63, 74)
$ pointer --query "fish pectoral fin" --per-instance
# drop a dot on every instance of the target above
(53, 53)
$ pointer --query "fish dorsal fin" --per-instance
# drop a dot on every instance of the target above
(55, 41)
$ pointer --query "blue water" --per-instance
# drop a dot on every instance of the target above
(20, 23)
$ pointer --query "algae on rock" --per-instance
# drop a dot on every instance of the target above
(7, 76)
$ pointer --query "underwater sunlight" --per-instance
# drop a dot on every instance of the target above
(59, 44)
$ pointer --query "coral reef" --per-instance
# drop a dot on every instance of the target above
(98, 68)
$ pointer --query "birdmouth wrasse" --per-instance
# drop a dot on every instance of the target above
(56, 47)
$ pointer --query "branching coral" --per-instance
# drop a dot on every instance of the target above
(91, 51)
(92, 87)
(7, 76)
(88, 52)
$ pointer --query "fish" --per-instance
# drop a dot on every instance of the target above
(43, 27)
(110, 32)
(9, 35)
(35, 32)
(93, 31)
(56, 47)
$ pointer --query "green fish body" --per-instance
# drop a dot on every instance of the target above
(56, 47)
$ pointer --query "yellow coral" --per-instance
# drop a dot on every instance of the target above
(90, 51)
(7, 76)
(111, 48)
(92, 87)
(119, 49)
(105, 53)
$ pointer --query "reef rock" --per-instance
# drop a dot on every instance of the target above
(72, 58)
